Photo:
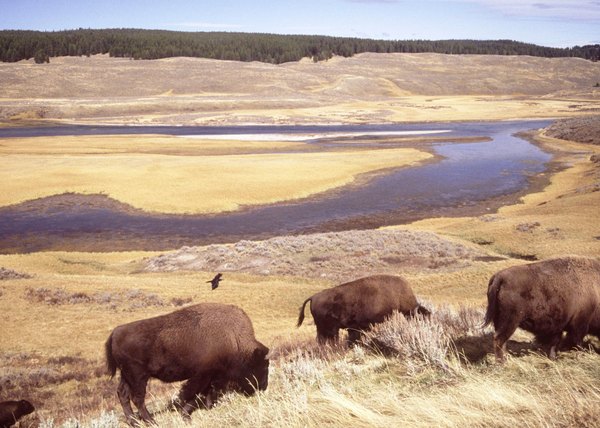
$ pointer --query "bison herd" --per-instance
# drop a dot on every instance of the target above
(212, 347)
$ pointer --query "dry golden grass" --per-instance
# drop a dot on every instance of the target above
(271, 302)
(55, 324)
(422, 385)
(148, 174)
(104, 277)
(367, 88)
(138, 143)
(417, 108)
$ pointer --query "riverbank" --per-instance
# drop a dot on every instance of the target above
(557, 215)
(465, 172)
(560, 218)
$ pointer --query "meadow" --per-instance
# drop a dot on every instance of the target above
(58, 308)
(364, 89)
(179, 175)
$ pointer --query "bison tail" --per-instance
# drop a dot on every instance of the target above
(111, 363)
(492, 297)
(301, 315)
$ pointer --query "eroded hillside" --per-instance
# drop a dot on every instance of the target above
(365, 88)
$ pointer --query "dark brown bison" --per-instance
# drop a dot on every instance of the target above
(12, 411)
(545, 298)
(210, 345)
(358, 304)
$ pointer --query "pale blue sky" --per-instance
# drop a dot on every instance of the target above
(559, 23)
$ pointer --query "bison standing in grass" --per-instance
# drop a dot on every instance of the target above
(12, 411)
(358, 304)
(211, 346)
(546, 298)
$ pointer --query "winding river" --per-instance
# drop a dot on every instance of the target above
(468, 175)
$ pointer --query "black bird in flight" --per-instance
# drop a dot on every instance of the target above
(215, 280)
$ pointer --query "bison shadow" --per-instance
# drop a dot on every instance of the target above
(474, 349)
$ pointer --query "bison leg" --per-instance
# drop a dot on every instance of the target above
(549, 343)
(354, 336)
(325, 337)
(576, 331)
(191, 389)
(503, 332)
(124, 394)
(573, 340)
(138, 396)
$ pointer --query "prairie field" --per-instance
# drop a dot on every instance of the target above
(58, 308)
(197, 180)
(366, 88)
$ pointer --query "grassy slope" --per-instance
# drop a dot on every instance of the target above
(75, 299)
(367, 88)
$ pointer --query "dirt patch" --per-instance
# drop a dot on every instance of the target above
(335, 255)
(584, 129)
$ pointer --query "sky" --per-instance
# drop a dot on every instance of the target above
(559, 23)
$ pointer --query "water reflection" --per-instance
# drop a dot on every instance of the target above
(467, 173)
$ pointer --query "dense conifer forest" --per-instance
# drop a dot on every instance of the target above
(16, 45)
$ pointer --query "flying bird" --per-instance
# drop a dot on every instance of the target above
(215, 281)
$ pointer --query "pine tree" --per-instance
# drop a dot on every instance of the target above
(41, 57)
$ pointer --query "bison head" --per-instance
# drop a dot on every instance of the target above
(257, 376)
(25, 407)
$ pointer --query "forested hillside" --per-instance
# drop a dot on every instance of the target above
(16, 45)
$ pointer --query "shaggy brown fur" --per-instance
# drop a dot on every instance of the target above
(358, 304)
(210, 345)
(546, 298)
(12, 411)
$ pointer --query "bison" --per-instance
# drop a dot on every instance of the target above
(358, 304)
(545, 298)
(12, 411)
(209, 345)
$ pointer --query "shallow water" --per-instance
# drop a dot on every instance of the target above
(468, 174)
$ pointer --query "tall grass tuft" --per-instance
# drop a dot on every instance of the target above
(419, 341)
(425, 341)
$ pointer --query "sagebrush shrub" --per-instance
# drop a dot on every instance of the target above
(419, 340)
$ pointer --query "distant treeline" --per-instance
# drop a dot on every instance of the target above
(16, 45)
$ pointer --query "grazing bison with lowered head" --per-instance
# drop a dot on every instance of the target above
(545, 298)
(210, 345)
(358, 304)
(12, 411)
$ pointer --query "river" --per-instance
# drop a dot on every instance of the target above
(473, 174)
